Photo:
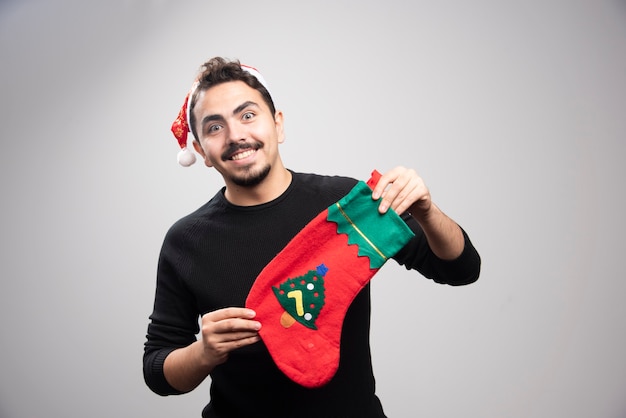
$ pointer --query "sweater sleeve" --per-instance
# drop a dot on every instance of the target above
(417, 255)
(174, 320)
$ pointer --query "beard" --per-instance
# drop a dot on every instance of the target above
(247, 176)
(250, 177)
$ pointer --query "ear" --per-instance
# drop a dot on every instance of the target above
(280, 127)
(199, 150)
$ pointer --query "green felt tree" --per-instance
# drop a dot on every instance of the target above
(302, 297)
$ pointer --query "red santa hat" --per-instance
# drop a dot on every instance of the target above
(180, 127)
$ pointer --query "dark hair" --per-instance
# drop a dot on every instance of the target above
(218, 70)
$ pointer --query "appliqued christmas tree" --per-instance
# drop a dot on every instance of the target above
(302, 298)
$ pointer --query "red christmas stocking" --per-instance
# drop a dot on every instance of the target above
(301, 297)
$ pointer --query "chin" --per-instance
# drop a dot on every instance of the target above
(251, 177)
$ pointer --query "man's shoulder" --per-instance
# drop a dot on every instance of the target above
(319, 183)
(198, 216)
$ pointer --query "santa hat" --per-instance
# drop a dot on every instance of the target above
(180, 127)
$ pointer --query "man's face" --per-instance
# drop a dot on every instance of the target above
(238, 135)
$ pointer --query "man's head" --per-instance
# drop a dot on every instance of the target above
(235, 125)
(218, 70)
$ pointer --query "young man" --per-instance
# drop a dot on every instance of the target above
(210, 260)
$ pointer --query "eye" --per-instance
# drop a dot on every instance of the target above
(212, 129)
(247, 116)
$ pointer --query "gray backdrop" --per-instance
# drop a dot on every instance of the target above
(513, 112)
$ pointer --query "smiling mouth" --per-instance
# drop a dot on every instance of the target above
(239, 151)
(242, 155)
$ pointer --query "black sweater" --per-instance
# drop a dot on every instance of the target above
(210, 259)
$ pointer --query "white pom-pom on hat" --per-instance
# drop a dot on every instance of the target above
(186, 157)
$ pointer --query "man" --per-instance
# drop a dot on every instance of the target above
(210, 259)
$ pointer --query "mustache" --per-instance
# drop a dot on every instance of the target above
(235, 147)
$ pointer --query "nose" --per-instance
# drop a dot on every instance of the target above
(236, 132)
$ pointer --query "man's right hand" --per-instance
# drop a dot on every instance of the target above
(222, 331)
(227, 329)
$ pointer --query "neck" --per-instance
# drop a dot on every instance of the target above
(275, 184)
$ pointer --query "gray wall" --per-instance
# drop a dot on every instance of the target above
(513, 112)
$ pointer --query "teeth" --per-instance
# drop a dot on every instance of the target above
(242, 155)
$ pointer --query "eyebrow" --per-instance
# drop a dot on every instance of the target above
(238, 109)
(244, 105)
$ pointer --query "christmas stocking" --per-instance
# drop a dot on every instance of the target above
(301, 297)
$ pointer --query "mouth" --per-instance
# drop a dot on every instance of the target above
(242, 155)
(237, 152)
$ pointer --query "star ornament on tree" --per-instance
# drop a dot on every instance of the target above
(302, 298)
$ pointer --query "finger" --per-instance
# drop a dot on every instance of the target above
(219, 341)
(226, 313)
(405, 198)
(219, 349)
(230, 325)
(384, 181)
(242, 342)
(234, 337)
(228, 346)
(396, 193)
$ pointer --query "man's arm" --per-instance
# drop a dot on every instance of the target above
(444, 236)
